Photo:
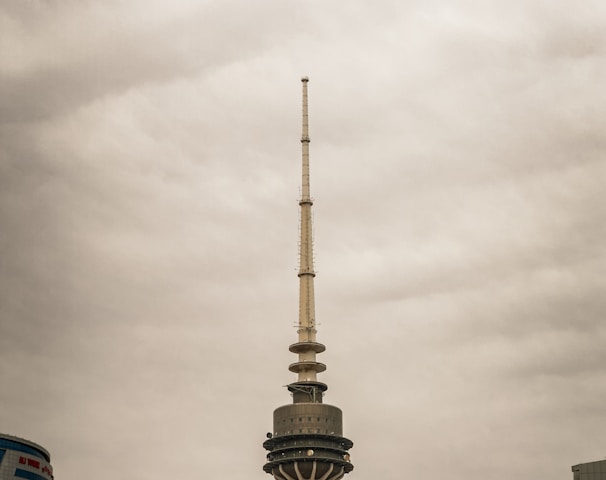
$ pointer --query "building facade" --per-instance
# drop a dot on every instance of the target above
(20, 458)
(307, 442)
(590, 471)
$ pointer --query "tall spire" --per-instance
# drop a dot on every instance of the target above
(307, 368)
(306, 442)
(306, 254)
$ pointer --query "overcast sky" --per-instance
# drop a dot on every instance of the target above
(149, 176)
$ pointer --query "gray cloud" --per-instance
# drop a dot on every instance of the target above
(149, 168)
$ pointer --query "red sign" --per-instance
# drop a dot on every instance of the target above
(30, 462)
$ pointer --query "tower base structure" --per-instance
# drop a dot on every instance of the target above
(307, 441)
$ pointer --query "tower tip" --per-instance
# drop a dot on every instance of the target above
(305, 79)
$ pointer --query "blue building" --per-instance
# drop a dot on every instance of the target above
(20, 458)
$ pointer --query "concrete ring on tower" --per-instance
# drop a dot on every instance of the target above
(307, 365)
(306, 347)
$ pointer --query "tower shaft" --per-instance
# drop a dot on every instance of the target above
(307, 329)
(307, 368)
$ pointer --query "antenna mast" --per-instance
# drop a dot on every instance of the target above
(307, 330)
(307, 367)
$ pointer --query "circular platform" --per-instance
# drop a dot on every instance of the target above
(307, 365)
(306, 347)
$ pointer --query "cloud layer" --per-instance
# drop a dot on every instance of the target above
(149, 169)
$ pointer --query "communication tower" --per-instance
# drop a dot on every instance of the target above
(307, 440)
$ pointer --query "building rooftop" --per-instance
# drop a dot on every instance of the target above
(6, 439)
